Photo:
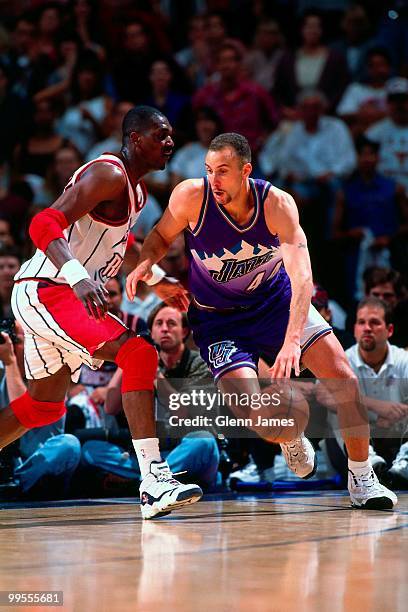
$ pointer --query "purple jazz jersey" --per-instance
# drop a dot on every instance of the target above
(240, 287)
(232, 265)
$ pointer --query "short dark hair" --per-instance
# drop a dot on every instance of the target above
(158, 308)
(236, 141)
(375, 302)
(11, 251)
(118, 280)
(206, 112)
(382, 51)
(231, 46)
(139, 119)
(362, 142)
(374, 276)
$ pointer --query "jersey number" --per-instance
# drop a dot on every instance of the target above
(256, 281)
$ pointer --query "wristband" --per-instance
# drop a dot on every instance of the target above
(157, 275)
(73, 271)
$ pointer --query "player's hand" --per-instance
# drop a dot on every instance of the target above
(93, 295)
(288, 358)
(142, 272)
(173, 293)
(7, 355)
(99, 394)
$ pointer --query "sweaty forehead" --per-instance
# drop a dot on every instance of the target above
(225, 156)
(158, 122)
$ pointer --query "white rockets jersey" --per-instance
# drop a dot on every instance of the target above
(99, 244)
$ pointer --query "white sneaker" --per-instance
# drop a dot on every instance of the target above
(248, 474)
(378, 463)
(160, 493)
(300, 457)
(267, 475)
(366, 492)
(399, 466)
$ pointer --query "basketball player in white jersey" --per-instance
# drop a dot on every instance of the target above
(60, 300)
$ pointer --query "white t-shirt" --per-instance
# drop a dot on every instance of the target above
(308, 69)
(357, 94)
(390, 383)
(309, 155)
(394, 149)
(78, 130)
(189, 161)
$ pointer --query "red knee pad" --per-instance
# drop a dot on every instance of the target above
(32, 413)
(138, 359)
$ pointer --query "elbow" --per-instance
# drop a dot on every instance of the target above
(307, 286)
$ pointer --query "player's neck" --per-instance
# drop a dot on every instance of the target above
(131, 164)
(243, 200)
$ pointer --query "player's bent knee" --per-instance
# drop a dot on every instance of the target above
(138, 360)
(34, 413)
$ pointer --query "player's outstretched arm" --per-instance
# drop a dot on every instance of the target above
(183, 207)
(101, 183)
(283, 219)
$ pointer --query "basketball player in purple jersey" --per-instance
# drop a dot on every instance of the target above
(251, 281)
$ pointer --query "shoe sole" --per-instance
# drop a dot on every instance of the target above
(377, 503)
(183, 499)
(313, 472)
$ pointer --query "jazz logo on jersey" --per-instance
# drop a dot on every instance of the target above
(220, 353)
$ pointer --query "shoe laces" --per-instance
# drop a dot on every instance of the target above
(367, 479)
(166, 475)
(296, 453)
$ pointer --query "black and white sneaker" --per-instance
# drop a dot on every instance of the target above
(160, 492)
(300, 457)
(367, 493)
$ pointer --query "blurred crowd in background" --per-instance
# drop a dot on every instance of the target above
(318, 87)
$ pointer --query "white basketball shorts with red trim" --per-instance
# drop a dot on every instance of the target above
(58, 330)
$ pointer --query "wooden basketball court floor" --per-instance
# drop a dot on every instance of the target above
(272, 552)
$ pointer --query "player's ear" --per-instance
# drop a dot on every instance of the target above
(134, 138)
(247, 169)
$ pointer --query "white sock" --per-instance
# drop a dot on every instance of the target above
(359, 467)
(147, 450)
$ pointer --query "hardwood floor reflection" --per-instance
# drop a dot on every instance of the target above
(308, 553)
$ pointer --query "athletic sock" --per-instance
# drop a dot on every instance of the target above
(359, 467)
(147, 450)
